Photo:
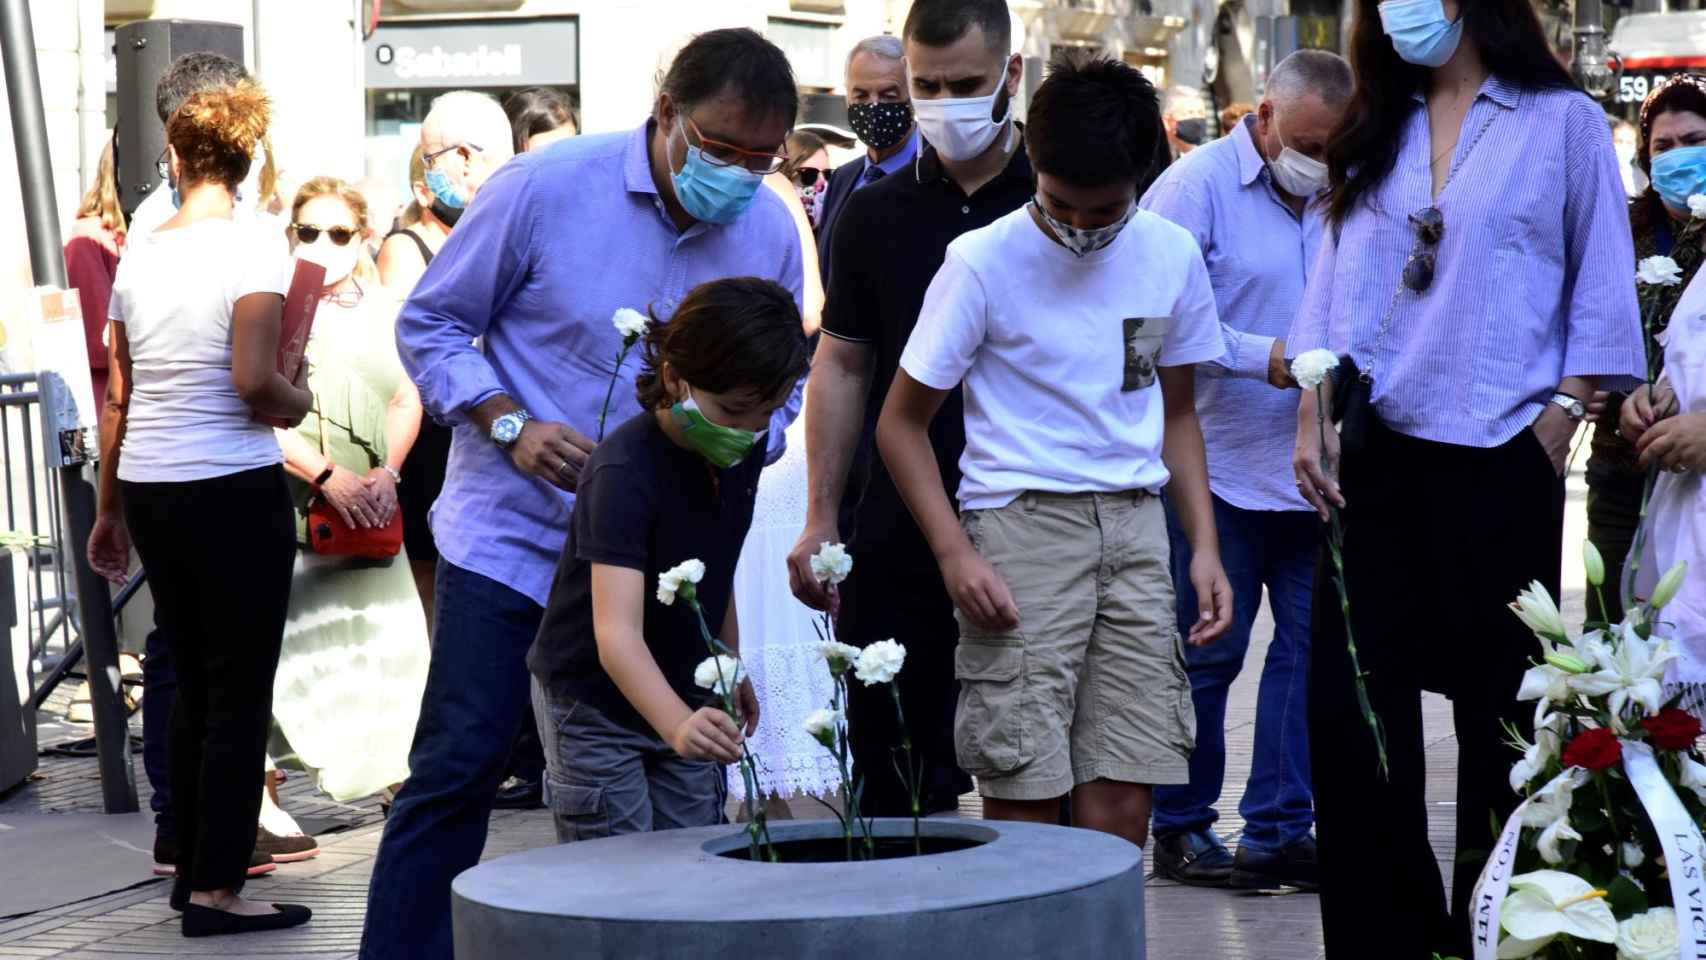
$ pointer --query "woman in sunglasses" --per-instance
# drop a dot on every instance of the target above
(808, 169)
(355, 645)
(1671, 150)
(1475, 277)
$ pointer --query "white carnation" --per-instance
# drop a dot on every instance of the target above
(820, 723)
(671, 580)
(832, 563)
(631, 324)
(1648, 936)
(1312, 366)
(839, 655)
(1658, 271)
(880, 662)
(719, 674)
(1697, 205)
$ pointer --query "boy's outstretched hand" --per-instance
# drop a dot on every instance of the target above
(1214, 600)
(708, 734)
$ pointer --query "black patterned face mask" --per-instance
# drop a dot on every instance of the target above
(880, 125)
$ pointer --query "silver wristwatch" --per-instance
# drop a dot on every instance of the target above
(507, 428)
(1575, 408)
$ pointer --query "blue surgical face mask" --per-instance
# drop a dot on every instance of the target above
(1678, 174)
(439, 183)
(713, 192)
(447, 201)
(1420, 32)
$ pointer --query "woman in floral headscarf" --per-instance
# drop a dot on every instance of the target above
(1673, 117)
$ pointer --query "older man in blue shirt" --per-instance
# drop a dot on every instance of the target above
(1246, 199)
(509, 337)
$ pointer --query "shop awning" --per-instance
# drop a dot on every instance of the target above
(1661, 41)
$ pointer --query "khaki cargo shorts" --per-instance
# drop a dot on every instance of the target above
(1092, 685)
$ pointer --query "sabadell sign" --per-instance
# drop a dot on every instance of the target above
(486, 53)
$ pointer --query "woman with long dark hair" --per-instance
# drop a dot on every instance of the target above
(1673, 117)
(1475, 276)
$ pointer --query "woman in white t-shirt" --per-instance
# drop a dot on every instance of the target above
(190, 473)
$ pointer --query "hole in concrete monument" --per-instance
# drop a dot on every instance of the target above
(807, 841)
(834, 849)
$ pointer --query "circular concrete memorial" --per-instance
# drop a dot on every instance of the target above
(999, 890)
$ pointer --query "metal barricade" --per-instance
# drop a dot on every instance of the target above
(31, 505)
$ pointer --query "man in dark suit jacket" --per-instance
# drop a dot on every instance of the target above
(879, 109)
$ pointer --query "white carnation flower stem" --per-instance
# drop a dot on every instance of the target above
(615, 375)
(910, 774)
(842, 752)
(757, 824)
(1335, 547)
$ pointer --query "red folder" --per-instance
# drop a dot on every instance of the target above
(297, 323)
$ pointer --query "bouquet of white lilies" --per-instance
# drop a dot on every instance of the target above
(1602, 860)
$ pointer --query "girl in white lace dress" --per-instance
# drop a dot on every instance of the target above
(779, 641)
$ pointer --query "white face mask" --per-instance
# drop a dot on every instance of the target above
(961, 128)
(1295, 173)
(338, 261)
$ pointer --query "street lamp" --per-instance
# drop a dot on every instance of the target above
(1593, 62)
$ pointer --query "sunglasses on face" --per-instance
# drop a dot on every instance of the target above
(341, 236)
(163, 166)
(1429, 225)
(808, 176)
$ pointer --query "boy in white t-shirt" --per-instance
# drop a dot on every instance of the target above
(1073, 324)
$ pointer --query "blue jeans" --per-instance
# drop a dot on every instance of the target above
(476, 695)
(1275, 549)
(160, 692)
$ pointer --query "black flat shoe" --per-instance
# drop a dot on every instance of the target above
(1197, 859)
(1293, 865)
(260, 864)
(519, 794)
(207, 922)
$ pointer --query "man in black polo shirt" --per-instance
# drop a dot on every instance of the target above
(888, 245)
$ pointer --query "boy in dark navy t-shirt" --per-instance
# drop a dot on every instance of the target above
(631, 743)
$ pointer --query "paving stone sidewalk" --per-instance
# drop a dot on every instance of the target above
(1184, 923)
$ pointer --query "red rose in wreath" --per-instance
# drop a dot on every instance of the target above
(1594, 749)
(1672, 729)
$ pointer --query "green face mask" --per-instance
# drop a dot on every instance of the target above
(722, 446)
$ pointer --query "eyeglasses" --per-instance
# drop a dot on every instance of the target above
(1429, 225)
(721, 154)
(341, 236)
(163, 166)
(807, 176)
(428, 158)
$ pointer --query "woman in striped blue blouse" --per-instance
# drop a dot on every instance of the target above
(1475, 275)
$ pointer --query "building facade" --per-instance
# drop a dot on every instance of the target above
(351, 80)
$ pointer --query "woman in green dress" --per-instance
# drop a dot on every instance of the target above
(355, 645)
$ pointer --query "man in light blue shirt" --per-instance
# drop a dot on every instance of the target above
(1246, 199)
(509, 337)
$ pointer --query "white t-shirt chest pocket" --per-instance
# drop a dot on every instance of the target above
(1143, 337)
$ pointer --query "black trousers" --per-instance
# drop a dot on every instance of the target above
(882, 601)
(1438, 539)
(1614, 511)
(218, 554)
